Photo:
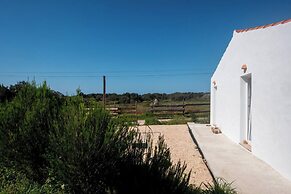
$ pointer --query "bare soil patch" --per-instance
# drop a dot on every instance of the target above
(182, 148)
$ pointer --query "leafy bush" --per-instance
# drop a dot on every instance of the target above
(82, 151)
(152, 121)
(220, 186)
(14, 182)
(25, 125)
(194, 117)
(177, 120)
(130, 119)
(200, 117)
(205, 119)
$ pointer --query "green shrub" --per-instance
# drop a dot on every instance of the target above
(200, 117)
(25, 125)
(205, 119)
(14, 182)
(152, 121)
(220, 186)
(82, 151)
(130, 119)
(194, 117)
(177, 120)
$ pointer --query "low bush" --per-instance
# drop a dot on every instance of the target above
(219, 186)
(14, 182)
(177, 120)
(194, 117)
(152, 121)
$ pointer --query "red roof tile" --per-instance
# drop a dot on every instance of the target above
(262, 27)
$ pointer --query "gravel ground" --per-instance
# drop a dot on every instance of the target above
(182, 148)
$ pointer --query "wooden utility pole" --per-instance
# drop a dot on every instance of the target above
(104, 91)
(183, 106)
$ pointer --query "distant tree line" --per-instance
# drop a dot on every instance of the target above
(8, 93)
(127, 98)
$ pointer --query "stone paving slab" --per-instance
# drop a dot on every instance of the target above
(234, 163)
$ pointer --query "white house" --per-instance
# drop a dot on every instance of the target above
(251, 93)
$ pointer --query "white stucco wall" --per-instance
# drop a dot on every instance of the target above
(267, 53)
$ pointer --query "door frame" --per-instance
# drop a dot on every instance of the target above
(246, 108)
(214, 105)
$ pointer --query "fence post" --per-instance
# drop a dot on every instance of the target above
(183, 106)
(104, 91)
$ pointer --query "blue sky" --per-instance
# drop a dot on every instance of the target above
(140, 45)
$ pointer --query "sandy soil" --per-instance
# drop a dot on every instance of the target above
(183, 148)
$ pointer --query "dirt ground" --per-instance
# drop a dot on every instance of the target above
(182, 148)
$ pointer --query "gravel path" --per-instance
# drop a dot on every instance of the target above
(182, 148)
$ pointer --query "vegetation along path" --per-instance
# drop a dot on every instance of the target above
(182, 148)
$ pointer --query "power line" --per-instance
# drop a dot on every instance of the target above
(98, 72)
(99, 75)
(164, 75)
